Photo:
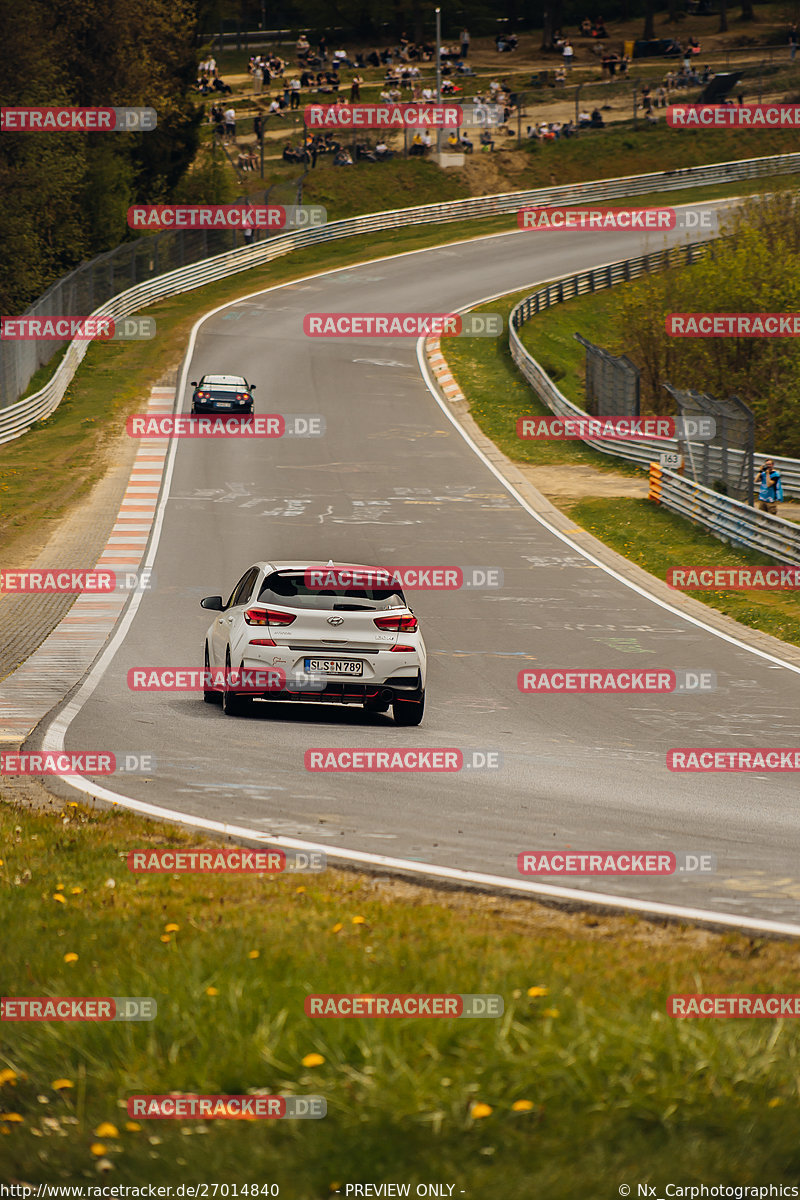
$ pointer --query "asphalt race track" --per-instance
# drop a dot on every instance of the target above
(393, 482)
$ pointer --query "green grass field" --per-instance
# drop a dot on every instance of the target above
(583, 1084)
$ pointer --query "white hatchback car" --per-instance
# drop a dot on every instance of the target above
(320, 632)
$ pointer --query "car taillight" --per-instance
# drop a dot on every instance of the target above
(242, 396)
(405, 624)
(267, 616)
(203, 395)
(402, 649)
(262, 642)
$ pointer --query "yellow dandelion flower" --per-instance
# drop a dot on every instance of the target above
(522, 1106)
(538, 991)
(171, 928)
(337, 927)
(300, 889)
(61, 1085)
(12, 1118)
(359, 920)
(76, 891)
(106, 1130)
(212, 991)
(253, 953)
(313, 1060)
(71, 957)
(61, 899)
(98, 1149)
(165, 937)
(59, 887)
(479, 1110)
(774, 1102)
(551, 1012)
(133, 1127)
(7, 1076)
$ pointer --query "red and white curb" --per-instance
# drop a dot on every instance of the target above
(441, 371)
(43, 680)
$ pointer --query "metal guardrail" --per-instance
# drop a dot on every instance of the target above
(729, 520)
(642, 451)
(17, 418)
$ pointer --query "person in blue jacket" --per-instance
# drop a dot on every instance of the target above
(770, 489)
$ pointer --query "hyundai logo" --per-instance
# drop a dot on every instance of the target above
(335, 620)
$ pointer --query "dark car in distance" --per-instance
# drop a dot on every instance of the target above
(222, 393)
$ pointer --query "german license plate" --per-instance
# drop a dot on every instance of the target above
(224, 403)
(334, 666)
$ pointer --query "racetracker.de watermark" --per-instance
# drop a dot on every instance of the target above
(226, 1108)
(734, 579)
(34, 119)
(562, 680)
(722, 758)
(626, 429)
(69, 581)
(753, 1004)
(362, 758)
(271, 217)
(616, 219)
(733, 325)
(742, 116)
(78, 1008)
(623, 429)
(267, 425)
(417, 578)
(225, 862)
(383, 116)
(88, 329)
(615, 862)
(196, 679)
(413, 325)
(63, 762)
(410, 1004)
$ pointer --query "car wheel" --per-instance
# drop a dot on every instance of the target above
(232, 705)
(408, 712)
(209, 696)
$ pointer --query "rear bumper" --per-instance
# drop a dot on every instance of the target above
(348, 693)
(234, 410)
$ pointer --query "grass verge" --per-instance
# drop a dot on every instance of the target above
(649, 536)
(613, 1089)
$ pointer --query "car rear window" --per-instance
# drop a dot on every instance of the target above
(292, 591)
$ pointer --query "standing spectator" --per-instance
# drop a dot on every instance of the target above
(568, 53)
(322, 47)
(770, 488)
(258, 127)
(792, 43)
(258, 80)
(464, 43)
(355, 88)
(294, 93)
(230, 124)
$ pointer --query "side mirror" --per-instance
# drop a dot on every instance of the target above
(252, 387)
(193, 383)
(212, 602)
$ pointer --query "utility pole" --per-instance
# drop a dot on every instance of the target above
(438, 73)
